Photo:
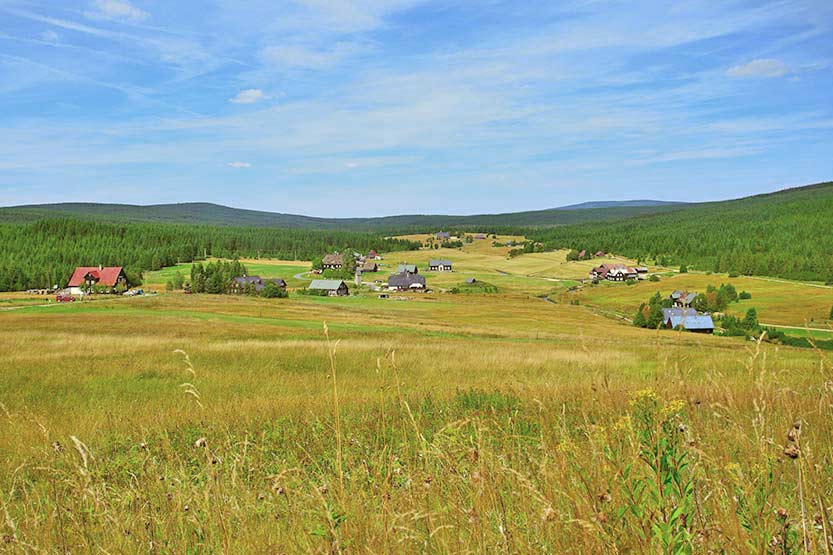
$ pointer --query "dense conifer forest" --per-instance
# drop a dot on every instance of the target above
(44, 253)
(788, 234)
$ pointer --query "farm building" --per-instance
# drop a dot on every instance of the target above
(682, 299)
(613, 272)
(406, 282)
(582, 254)
(333, 287)
(242, 283)
(370, 266)
(479, 236)
(688, 319)
(87, 278)
(439, 265)
(443, 236)
(641, 269)
(407, 269)
(471, 281)
(600, 254)
(333, 261)
(373, 255)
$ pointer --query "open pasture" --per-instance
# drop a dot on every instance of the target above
(440, 423)
(781, 302)
(263, 267)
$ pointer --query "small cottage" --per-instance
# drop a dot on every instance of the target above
(333, 287)
(406, 282)
(370, 266)
(687, 319)
(244, 283)
(407, 269)
(682, 299)
(333, 261)
(439, 265)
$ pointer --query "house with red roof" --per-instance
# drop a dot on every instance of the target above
(87, 278)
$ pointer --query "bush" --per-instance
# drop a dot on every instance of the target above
(745, 296)
(683, 269)
(272, 291)
(653, 278)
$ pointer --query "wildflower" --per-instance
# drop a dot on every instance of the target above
(644, 395)
(673, 407)
(143, 446)
(732, 468)
(57, 447)
(202, 442)
(548, 514)
(792, 451)
(623, 424)
(781, 513)
(427, 482)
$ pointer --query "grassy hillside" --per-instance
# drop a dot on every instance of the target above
(786, 234)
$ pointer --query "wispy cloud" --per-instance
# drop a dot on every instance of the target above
(116, 10)
(239, 165)
(248, 96)
(767, 67)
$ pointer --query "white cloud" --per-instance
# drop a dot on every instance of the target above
(239, 165)
(248, 96)
(764, 67)
(116, 10)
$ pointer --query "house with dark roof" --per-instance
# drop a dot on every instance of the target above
(443, 236)
(370, 266)
(407, 269)
(243, 284)
(613, 272)
(406, 281)
(333, 287)
(682, 299)
(86, 279)
(333, 261)
(687, 319)
(439, 265)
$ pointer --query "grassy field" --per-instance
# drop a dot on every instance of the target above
(435, 424)
(426, 423)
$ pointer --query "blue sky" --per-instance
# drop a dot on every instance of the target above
(372, 107)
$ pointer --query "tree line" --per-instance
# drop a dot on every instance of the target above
(44, 253)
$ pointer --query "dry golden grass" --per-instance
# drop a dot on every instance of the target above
(466, 424)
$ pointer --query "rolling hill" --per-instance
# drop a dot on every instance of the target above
(214, 214)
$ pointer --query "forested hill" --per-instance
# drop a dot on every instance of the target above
(785, 234)
(44, 253)
(213, 214)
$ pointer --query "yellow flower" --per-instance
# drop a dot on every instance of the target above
(644, 395)
(673, 407)
(623, 424)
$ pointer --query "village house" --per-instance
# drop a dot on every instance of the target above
(370, 267)
(373, 255)
(406, 281)
(407, 269)
(582, 254)
(600, 254)
(439, 265)
(333, 261)
(613, 272)
(687, 319)
(682, 299)
(86, 279)
(333, 287)
(479, 236)
(442, 236)
(242, 283)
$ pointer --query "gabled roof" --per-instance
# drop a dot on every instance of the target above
(677, 313)
(333, 259)
(439, 262)
(698, 322)
(406, 268)
(406, 281)
(108, 276)
(327, 284)
(245, 280)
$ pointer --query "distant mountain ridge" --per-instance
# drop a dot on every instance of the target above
(620, 204)
(215, 214)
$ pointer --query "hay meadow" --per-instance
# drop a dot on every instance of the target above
(534, 420)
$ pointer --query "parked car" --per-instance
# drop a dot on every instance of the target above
(65, 298)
